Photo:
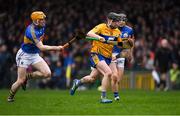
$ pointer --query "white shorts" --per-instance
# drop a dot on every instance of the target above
(119, 61)
(24, 59)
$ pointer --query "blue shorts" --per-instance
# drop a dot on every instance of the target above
(96, 58)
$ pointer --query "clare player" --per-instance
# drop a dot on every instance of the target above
(101, 54)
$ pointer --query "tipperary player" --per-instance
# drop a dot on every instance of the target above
(101, 54)
(28, 54)
(119, 55)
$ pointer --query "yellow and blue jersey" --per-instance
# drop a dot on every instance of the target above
(109, 34)
(32, 36)
(126, 32)
(103, 51)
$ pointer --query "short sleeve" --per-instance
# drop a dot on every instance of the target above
(97, 29)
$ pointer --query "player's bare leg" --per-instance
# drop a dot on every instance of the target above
(116, 83)
(86, 79)
(43, 71)
(104, 69)
(20, 80)
(117, 75)
(90, 78)
(32, 75)
(114, 79)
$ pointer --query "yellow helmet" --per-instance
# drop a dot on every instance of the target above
(37, 15)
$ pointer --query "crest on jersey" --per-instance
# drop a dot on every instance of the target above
(125, 35)
(111, 38)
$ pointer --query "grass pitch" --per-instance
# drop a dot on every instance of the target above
(87, 103)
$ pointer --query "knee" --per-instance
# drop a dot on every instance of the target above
(109, 73)
(47, 74)
(115, 78)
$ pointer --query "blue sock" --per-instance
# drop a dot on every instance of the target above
(103, 94)
(116, 94)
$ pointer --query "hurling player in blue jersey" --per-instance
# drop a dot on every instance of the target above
(28, 54)
(119, 55)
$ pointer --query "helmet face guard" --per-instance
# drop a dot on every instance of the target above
(117, 17)
(112, 20)
(113, 16)
(122, 17)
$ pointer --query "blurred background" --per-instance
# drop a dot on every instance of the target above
(152, 21)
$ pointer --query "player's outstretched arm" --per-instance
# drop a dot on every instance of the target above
(94, 35)
(123, 44)
(47, 47)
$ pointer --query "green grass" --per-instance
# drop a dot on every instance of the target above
(87, 102)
